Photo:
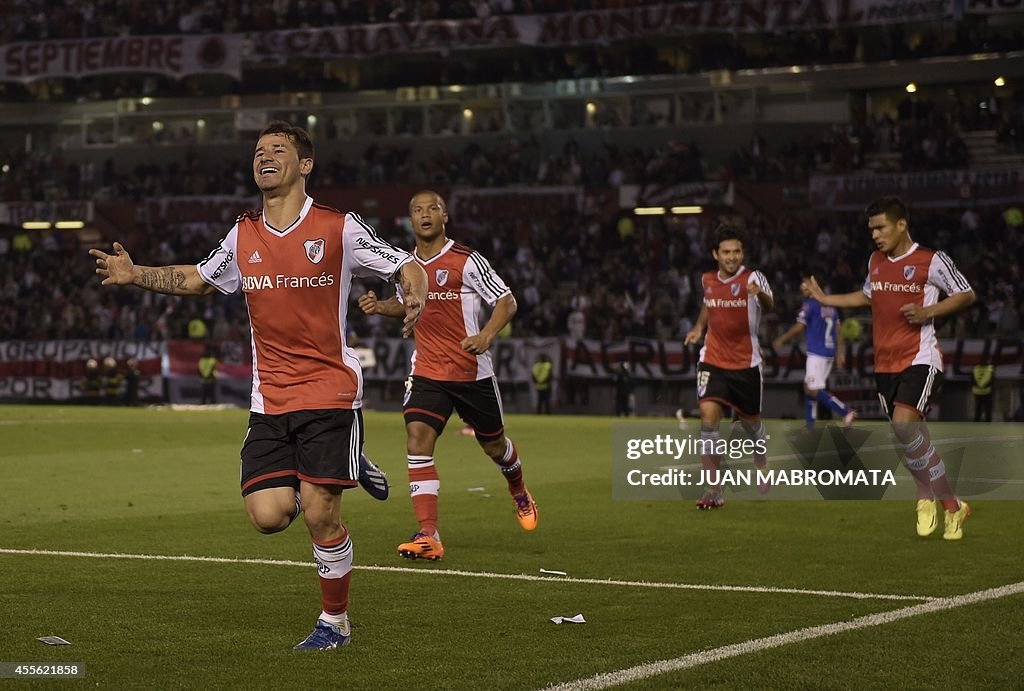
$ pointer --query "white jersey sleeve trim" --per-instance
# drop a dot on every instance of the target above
(943, 274)
(220, 268)
(366, 254)
(762, 281)
(479, 275)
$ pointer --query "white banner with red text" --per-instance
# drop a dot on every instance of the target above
(591, 26)
(173, 56)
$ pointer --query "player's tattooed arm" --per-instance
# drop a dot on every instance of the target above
(181, 279)
(160, 279)
(119, 269)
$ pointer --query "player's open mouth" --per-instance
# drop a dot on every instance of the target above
(268, 170)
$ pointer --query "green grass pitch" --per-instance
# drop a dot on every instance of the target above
(161, 482)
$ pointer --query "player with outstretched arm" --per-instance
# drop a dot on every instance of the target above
(902, 288)
(295, 261)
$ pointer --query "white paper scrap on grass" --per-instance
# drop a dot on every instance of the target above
(578, 619)
(554, 573)
(474, 489)
(53, 640)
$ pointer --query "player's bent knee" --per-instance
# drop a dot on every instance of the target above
(270, 510)
(268, 520)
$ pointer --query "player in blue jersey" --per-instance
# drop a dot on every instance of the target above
(824, 345)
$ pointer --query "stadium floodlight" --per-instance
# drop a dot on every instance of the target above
(35, 225)
(911, 88)
(649, 211)
(1000, 81)
(69, 225)
(687, 209)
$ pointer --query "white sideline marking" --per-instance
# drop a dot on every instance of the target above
(480, 574)
(623, 676)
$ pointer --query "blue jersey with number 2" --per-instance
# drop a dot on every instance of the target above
(821, 325)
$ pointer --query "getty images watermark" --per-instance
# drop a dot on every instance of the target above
(663, 446)
(658, 460)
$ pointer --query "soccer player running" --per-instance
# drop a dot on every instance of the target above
(902, 288)
(295, 260)
(729, 371)
(824, 345)
(451, 368)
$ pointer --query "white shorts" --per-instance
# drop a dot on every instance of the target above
(818, 369)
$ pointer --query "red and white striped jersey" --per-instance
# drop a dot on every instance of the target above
(459, 279)
(733, 319)
(917, 276)
(297, 282)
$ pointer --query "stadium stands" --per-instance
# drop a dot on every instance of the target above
(763, 126)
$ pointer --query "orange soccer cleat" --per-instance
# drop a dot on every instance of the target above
(422, 546)
(526, 510)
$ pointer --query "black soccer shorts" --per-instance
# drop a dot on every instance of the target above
(478, 403)
(739, 389)
(912, 388)
(317, 446)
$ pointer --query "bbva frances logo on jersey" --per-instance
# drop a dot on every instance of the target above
(314, 250)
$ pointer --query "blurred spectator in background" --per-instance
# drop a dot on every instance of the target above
(92, 384)
(983, 377)
(541, 372)
(624, 385)
(208, 375)
(131, 382)
(113, 382)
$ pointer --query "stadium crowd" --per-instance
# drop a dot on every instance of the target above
(64, 19)
(593, 274)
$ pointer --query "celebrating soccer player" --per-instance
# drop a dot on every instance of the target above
(295, 260)
(729, 371)
(902, 288)
(824, 344)
(451, 368)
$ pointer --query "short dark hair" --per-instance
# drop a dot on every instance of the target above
(444, 204)
(892, 206)
(726, 232)
(296, 135)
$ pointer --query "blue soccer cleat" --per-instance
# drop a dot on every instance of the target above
(372, 478)
(327, 636)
